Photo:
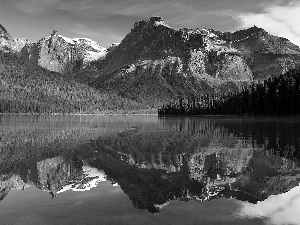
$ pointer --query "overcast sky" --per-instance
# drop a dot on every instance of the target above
(108, 21)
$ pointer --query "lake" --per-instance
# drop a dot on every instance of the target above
(149, 170)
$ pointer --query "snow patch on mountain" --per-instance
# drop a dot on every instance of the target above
(92, 56)
(86, 41)
(90, 42)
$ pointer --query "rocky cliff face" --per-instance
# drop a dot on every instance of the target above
(63, 55)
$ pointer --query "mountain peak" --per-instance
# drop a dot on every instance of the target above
(256, 29)
(156, 19)
(153, 21)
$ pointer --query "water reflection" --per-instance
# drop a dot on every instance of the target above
(157, 161)
(54, 175)
(201, 159)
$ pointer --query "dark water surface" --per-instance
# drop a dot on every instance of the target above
(149, 170)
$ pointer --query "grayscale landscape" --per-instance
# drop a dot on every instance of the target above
(149, 112)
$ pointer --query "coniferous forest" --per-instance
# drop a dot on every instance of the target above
(279, 95)
(33, 89)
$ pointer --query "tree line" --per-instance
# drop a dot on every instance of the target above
(279, 95)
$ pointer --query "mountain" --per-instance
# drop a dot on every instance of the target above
(267, 55)
(151, 66)
(61, 54)
(154, 62)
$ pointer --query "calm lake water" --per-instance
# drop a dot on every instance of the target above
(149, 170)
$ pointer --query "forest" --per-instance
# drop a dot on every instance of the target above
(278, 95)
(26, 88)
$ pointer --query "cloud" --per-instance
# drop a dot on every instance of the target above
(280, 19)
(277, 209)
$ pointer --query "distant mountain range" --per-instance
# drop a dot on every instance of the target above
(155, 63)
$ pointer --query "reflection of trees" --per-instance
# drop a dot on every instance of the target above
(276, 136)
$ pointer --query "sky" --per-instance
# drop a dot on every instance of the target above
(108, 21)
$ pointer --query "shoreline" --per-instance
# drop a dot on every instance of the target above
(153, 114)
(81, 114)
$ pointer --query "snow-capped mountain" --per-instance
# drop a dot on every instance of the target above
(63, 55)
(92, 50)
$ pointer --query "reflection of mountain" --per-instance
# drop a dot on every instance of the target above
(210, 162)
(245, 175)
(57, 175)
(54, 175)
(192, 159)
